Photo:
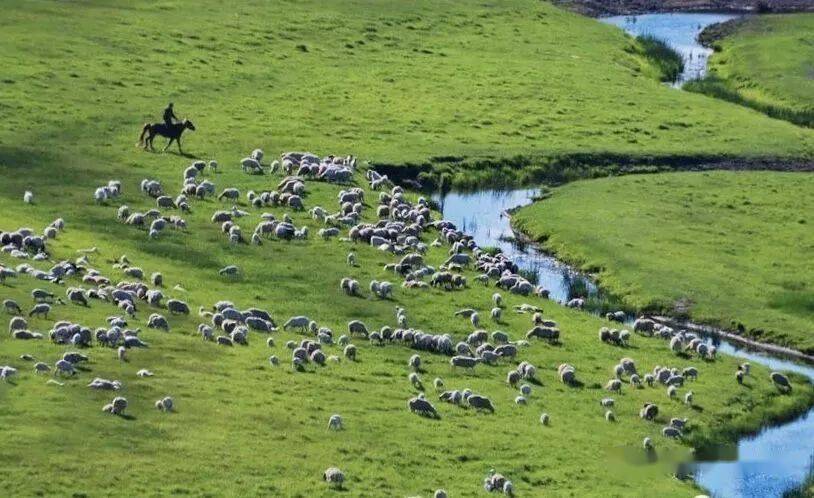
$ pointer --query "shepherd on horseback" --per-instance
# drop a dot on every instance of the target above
(170, 128)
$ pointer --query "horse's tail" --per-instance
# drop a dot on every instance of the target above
(143, 132)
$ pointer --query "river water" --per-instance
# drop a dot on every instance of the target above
(678, 30)
(765, 465)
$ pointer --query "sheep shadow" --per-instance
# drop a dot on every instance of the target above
(697, 408)
(128, 417)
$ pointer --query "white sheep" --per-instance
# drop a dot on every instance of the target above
(335, 422)
(28, 197)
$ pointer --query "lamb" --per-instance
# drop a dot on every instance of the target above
(117, 407)
(672, 392)
(415, 380)
(496, 314)
(414, 362)
(525, 390)
(165, 404)
(521, 400)
(334, 476)
(335, 422)
(497, 299)
(28, 197)
(422, 407)
(122, 353)
(350, 352)
(688, 397)
(545, 419)
(609, 416)
(41, 367)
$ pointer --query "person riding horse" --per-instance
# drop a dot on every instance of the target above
(169, 115)
(172, 128)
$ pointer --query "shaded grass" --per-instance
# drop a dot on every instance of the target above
(668, 61)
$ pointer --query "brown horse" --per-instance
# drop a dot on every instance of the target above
(173, 132)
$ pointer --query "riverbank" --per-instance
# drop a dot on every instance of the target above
(465, 173)
(764, 63)
(672, 242)
(600, 8)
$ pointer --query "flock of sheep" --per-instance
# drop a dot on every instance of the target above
(400, 229)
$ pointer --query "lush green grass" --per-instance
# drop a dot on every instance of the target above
(426, 82)
(732, 247)
(244, 427)
(80, 78)
(766, 63)
(663, 56)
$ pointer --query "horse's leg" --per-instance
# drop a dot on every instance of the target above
(168, 145)
(178, 141)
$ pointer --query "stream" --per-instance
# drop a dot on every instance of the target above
(679, 31)
(765, 465)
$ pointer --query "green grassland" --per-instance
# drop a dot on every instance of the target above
(732, 247)
(243, 427)
(766, 62)
(519, 84)
(392, 82)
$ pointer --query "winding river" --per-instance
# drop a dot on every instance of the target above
(678, 30)
(765, 465)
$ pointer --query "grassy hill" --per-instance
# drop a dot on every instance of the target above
(728, 248)
(395, 83)
(765, 62)
(391, 82)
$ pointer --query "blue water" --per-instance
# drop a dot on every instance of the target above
(763, 466)
(678, 30)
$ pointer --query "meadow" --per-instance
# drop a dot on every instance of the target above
(395, 83)
(506, 90)
(764, 62)
(732, 249)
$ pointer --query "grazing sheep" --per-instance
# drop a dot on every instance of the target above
(41, 367)
(464, 362)
(609, 416)
(513, 378)
(525, 389)
(475, 319)
(334, 477)
(521, 400)
(647, 444)
(116, 407)
(780, 381)
(12, 307)
(480, 403)
(165, 404)
(671, 432)
(496, 314)
(544, 419)
(274, 360)
(122, 353)
(739, 376)
(177, 307)
(350, 352)
(422, 407)
(614, 385)
(606, 402)
(649, 411)
(688, 397)
(144, 373)
(357, 327)
(63, 367)
(40, 309)
(672, 392)
(28, 197)
(440, 493)
(335, 423)
(438, 383)
(414, 362)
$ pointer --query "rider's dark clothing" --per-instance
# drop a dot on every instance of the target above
(169, 116)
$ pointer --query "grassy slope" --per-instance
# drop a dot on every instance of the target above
(738, 246)
(394, 83)
(241, 426)
(244, 426)
(767, 62)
